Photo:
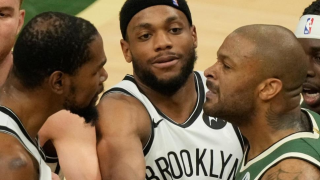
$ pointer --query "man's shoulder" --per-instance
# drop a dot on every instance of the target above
(14, 158)
(292, 169)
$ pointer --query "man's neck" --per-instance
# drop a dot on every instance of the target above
(261, 135)
(178, 106)
(5, 66)
(26, 103)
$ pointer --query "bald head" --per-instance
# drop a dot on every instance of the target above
(279, 53)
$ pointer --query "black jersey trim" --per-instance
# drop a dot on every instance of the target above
(198, 107)
(6, 130)
(57, 170)
(130, 78)
(50, 159)
(148, 145)
(10, 113)
(127, 77)
(240, 137)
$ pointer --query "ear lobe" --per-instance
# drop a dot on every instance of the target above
(269, 88)
(126, 50)
(194, 36)
(57, 82)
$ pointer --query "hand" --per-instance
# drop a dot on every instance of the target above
(54, 176)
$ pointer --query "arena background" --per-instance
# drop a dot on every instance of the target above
(214, 20)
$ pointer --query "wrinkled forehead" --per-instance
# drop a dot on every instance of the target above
(237, 46)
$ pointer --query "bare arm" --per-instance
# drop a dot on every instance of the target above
(293, 169)
(15, 162)
(123, 129)
(75, 143)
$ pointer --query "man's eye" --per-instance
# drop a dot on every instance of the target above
(145, 36)
(176, 30)
(317, 58)
(226, 66)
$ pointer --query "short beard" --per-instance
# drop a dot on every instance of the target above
(240, 112)
(89, 113)
(166, 87)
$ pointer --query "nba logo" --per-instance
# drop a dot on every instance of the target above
(175, 2)
(308, 27)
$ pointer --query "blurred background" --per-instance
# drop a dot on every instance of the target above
(214, 20)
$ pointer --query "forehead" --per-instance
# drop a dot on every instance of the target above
(96, 49)
(310, 44)
(158, 13)
(10, 3)
(236, 47)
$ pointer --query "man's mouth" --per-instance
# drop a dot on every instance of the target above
(310, 95)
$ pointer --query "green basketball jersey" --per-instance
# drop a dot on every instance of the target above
(301, 145)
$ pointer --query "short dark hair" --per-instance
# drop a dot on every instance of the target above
(51, 41)
(313, 8)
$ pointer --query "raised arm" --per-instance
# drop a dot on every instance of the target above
(75, 143)
(293, 169)
(123, 129)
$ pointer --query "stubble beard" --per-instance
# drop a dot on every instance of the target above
(89, 113)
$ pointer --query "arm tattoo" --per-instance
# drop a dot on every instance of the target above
(285, 175)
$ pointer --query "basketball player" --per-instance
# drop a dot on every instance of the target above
(151, 124)
(58, 64)
(56, 129)
(256, 84)
(308, 35)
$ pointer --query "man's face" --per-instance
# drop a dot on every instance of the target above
(311, 87)
(87, 84)
(11, 20)
(161, 45)
(231, 81)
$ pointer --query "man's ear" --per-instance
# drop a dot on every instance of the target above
(22, 14)
(58, 81)
(126, 50)
(194, 36)
(269, 88)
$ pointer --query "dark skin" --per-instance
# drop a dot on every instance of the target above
(122, 136)
(292, 169)
(312, 84)
(272, 109)
(51, 96)
(16, 162)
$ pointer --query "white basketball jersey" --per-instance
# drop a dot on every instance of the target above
(10, 124)
(201, 148)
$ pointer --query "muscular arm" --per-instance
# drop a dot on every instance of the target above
(123, 129)
(15, 162)
(75, 143)
(293, 169)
